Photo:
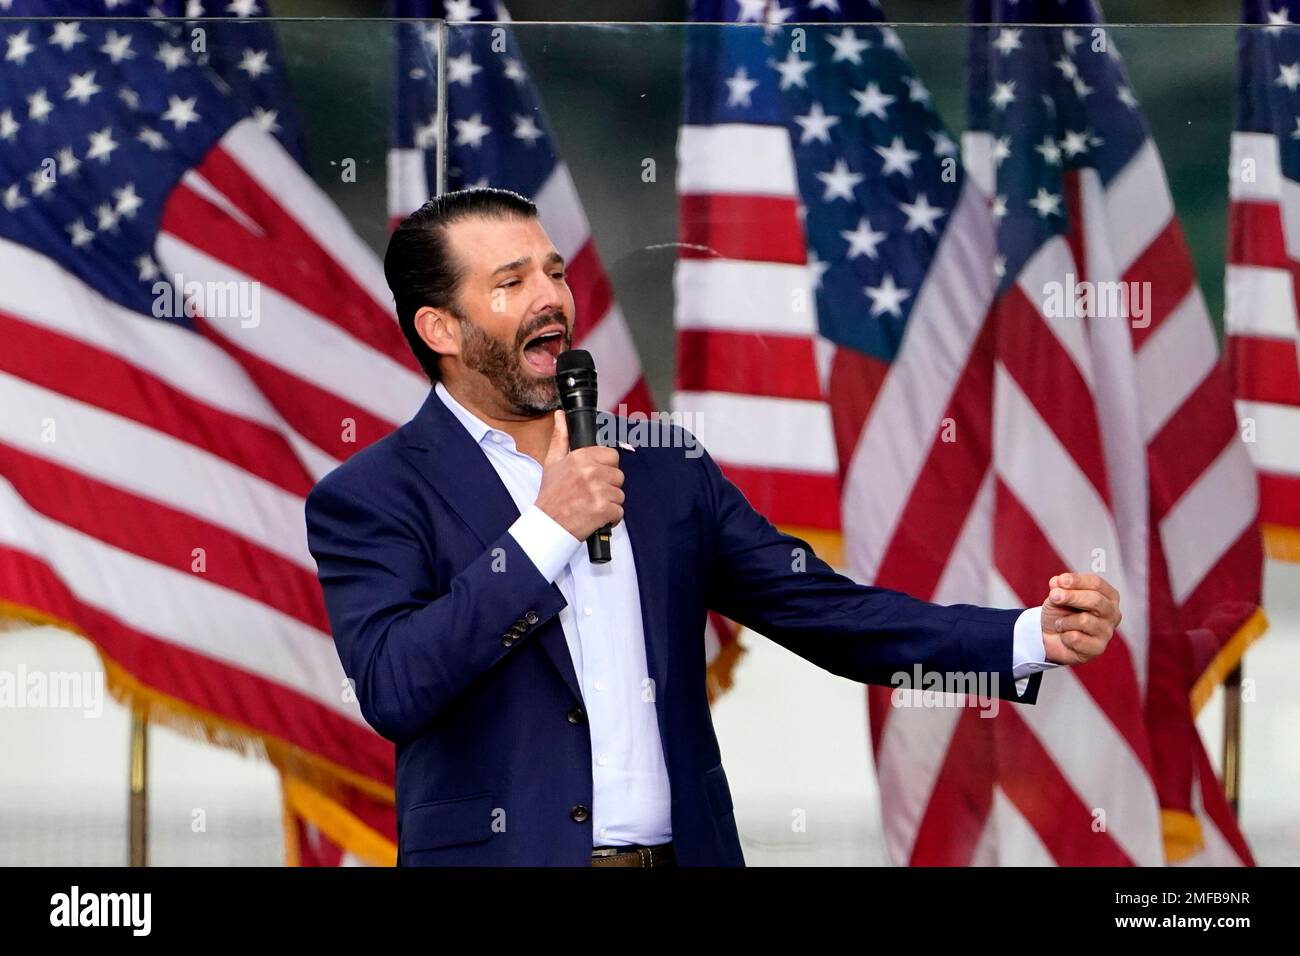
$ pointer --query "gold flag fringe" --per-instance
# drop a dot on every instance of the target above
(334, 820)
(311, 772)
(720, 675)
(1282, 543)
(1228, 658)
(1182, 833)
(308, 780)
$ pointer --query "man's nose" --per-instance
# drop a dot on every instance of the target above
(547, 299)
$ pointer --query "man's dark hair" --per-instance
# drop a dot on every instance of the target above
(419, 264)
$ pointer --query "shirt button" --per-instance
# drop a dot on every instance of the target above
(602, 760)
(586, 611)
(599, 685)
(603, 831)
(579, 814)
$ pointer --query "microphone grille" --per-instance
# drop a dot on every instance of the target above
(574, 360)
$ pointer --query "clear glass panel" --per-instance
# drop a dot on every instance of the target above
(155, 437)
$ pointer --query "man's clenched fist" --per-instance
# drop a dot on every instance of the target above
(1079, 616)
(582, 490)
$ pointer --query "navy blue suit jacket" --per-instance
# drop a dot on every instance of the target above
(453, 640)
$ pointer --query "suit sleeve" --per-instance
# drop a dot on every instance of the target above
(775, 584)
(408, 651)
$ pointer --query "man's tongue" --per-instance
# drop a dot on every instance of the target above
(541, 355)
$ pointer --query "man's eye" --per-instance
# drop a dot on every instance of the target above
(558, 275)
(509, 282)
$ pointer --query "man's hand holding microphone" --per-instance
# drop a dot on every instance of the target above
(582, 490)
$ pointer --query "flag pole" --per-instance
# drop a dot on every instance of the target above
(138, 803)
(1232, 739)
(440, 147)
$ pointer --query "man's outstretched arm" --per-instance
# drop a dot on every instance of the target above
(775, 584)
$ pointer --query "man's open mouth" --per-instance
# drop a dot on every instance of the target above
(541, 351)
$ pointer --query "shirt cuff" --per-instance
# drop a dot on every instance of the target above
(1028, 654)
(544, 541)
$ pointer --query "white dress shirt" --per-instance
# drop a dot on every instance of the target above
(631, 800)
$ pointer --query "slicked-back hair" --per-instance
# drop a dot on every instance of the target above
(420, 267)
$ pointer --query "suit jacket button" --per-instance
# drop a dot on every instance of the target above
(508, 638)
(576, 716)
(520, 625)
(531, 617)
(579, 814)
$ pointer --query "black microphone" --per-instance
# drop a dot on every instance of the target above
(575, 377)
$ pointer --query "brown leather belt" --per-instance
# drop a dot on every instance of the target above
(661, 855)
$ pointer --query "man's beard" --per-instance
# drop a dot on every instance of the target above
(503, 367)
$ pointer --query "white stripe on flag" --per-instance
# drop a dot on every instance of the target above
(1255, 170)
(735, 296)
(1041, 474)
(1256, 176)
(304, 344)
(610, 343)
(915, 742)
(1017, 843)
(1173, 361)
(977, 160)
(212, 194)
(122, 452)
(53, 299)
(180, 607)
(1210, 516)
(560, 210)
(736, 159)
(1118, 411)
(905, 419)
(1096, 760)
(1276, 447)
(755, 431)
(408, 183)
(263, 159)
(1042, 279)
(1138, 208)
(1261, 301)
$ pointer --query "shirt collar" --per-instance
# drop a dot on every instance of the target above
(478, 429)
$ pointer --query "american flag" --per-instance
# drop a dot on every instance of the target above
(498, 136)
(194, 335)
(1263, 332)
(985, 440)
(1125, 414)
(751, 366)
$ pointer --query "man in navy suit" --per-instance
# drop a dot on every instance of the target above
(548, 711)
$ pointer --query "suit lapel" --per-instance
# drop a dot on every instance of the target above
(449, 459)
(645, 529)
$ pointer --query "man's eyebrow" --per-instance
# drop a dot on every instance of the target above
(507, 266)
(551, 258)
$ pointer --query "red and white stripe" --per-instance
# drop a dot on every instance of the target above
(1079, 444)
(1262, 329)
(152, 480)
(747, 345)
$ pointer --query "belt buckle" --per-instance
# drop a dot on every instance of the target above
(605, 851)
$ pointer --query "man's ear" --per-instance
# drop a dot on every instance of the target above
(439, 330)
